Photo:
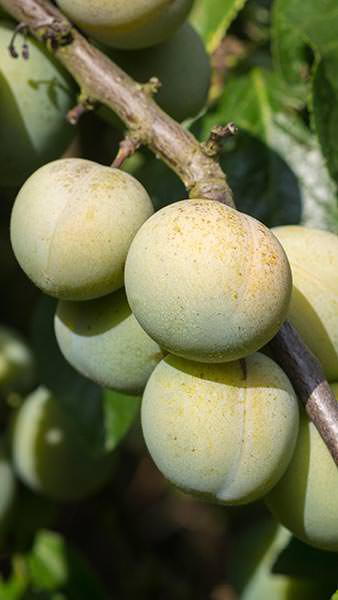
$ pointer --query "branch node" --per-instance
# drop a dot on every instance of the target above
(152, 86)
(214, 145)
(128, 147)
(55, 33)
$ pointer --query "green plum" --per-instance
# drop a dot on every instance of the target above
(313, 256)
(35, 95)
(49, 456)
(102, 339)
(181, 64)
(17, 369)
(127, 24)
(305, 500)
(224, 431)
(207, 282)
(74, 245)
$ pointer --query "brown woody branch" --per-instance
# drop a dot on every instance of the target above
(102, 81)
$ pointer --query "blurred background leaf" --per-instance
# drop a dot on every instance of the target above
(298, 27)
(213, 17)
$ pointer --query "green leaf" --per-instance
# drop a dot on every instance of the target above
(325, 109)
(301, 560)
(213, 17)
(275, 166)
(101, 417)
(312, 24)
(51, 570)
(335, 596)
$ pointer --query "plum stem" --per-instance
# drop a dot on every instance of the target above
(103, 81)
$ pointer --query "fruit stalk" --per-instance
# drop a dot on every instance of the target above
(102, 81)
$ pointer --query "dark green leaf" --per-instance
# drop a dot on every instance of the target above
(274, 166)
(301, 560)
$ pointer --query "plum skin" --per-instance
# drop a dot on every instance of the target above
(223, 431)
(128, 24)
(182, 94)
(305, 500)
(73, 244)
(103, 341)
(313, 256)
(206, 282)
(48, 455)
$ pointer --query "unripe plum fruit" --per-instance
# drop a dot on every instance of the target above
(72, 223)
(305, 500)
(127, 24)
(207, 282)
(17, 369)
(226, 431)
(103, 341)
(48, 455)
(313, 256)
(35, 96)
(181, 64)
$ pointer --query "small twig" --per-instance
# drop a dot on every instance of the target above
(152, 86)
(84, 106)
(308, 379)
(128, 147)
(214, 145)
(20, 28)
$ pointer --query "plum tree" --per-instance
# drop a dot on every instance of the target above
(251, 567)
(182, 93)
(226, 431)
(16, 362)
(131, 24)
(305, 500)
(35, 96)
(74, 245)
(207, 282)
(313, 256)
(102, 339)
(48, 455)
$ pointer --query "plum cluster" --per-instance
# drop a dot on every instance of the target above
(178, 305)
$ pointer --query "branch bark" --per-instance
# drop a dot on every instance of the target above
(102, 81)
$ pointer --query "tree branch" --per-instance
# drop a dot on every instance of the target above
(309, 381)
(102, 81)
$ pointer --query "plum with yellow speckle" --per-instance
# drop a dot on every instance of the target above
(313, 256)
(48, 454)
(127, 24)
(207, 282)
(305, 500)
(103, 341)
(72, 224)
(224, 431)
